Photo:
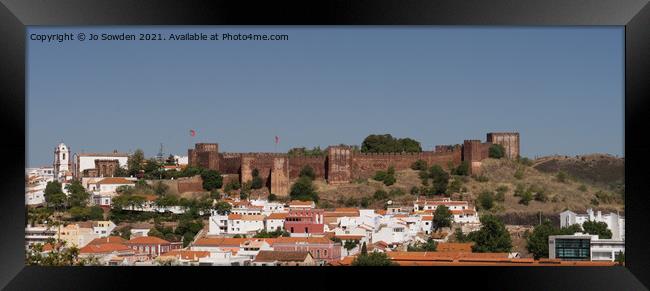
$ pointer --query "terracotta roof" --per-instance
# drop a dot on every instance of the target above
(301, 203)
(289, 256)
(148, 197)
(115, 180)
(186, 254)
(108, 239)
(311, 240)
(427, 217)
(445, 256)
(147, 240)
(381, 212)
(252, 217)
(104, 248)
(454, 247)
(278, 215)
(233, 216)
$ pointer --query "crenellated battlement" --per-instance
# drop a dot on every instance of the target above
(342, 163)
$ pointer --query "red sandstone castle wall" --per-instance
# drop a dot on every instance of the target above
(193, 184)
(297, 163)
(260, 161)
(229, 163)
(365, 165)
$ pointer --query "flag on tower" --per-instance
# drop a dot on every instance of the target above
(277, 139)
(192, 132)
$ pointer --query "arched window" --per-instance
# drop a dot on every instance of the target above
(64, 156)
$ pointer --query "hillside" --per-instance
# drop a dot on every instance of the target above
(588, 184)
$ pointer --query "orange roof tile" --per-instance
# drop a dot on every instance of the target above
(104, 248)
(233, 216)
(115, 180)
(147, 240)
(293, 240)
(278, 215)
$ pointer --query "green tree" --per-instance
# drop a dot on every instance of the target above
(442, 217)
(303, 189)
(597, 228)
(537, 241)
(272, 197)
(350, 244)
(54, 196)
(486, 200)
(526, 197)
(135, 162)
(211, 180)
(419, 165)
(373, 259)
(380, 195)
(170, 161)
(462, 169)
(440, 179)
(460, 236)
(77, 194)
(386, 143)
(223, 208)
(496, 151)
(364, 249)
(307, 171)
(491, 237)
(620, 258)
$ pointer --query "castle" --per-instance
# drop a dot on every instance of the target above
(341, 164)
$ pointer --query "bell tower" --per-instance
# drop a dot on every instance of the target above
(61, 161)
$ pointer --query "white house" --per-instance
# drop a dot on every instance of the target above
(269, 207)
(615, 223)
(391, 232)
(103, 228)
(275, 221)
(235, 224)
(110, 185)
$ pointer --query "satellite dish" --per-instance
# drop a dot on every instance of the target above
(389, 202)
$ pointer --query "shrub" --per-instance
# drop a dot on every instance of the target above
(561, 177)
(481, 178)
(462, 169)
(496, 151)
(582, 188)
(525, 198)
(419, 165)
(486, 200)
(519, 174)
(307, 171)
(380, 195)
(365, 201)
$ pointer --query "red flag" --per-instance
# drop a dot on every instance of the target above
(192, 132)
(277, 139)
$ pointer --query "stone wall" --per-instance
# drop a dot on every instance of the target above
(365, 165)
(190, 184)
(106, 168)
(297, 163)
(509, 141)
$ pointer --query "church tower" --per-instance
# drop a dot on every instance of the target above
(61, 161)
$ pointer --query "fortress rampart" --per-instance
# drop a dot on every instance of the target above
(341, 164)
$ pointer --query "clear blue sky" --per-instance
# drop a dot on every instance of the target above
(562, 88)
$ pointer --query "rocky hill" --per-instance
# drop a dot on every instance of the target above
(593, 181)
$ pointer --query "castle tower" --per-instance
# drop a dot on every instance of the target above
(338, 164)
(62, 161)
(280, 176)
(509, 141)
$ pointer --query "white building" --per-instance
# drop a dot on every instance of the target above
(103, 228)
(85, 161)
(269, 207)
(224, 258)
(275, 221)
(62, 162)
(234, 224)
(39, 234)
(615, 223)
(584, 247)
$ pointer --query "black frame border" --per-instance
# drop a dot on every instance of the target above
(15, 15)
